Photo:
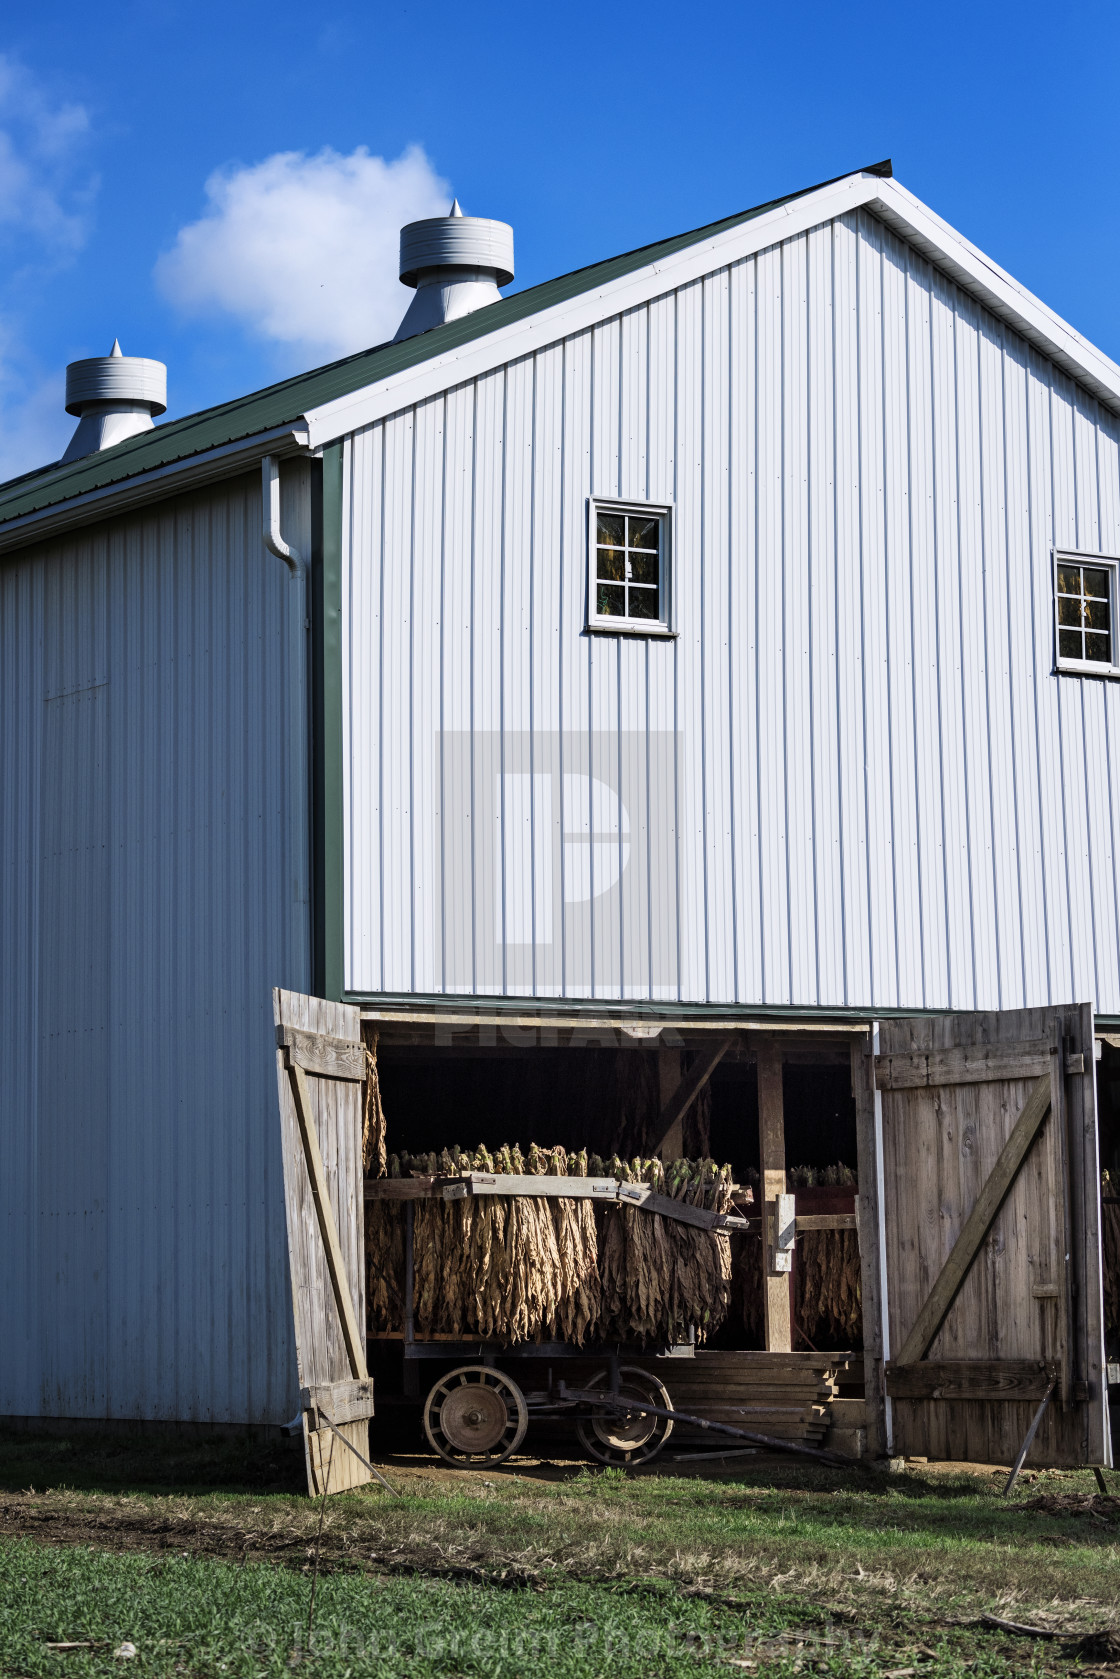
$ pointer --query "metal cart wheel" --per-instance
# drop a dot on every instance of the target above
(475, 1417)
(625, 1438)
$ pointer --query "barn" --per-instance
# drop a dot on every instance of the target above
(697, 673)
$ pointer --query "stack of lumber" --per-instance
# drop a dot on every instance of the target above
(788, 1395)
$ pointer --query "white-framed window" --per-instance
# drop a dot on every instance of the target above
(1085, 613)
(628, 567)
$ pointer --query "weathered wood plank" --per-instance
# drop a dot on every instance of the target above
(320, 1192)
(772, 1159)
(1086, 1237)
(869, 1213)
(963, 1064)
(321, 1352)
(325, 1450)
(542, 1186)
(986, 1379)
(825, 1221)
(668, 1083)
(977, 1225)
(812, 1221)
(342, 1402)
(319, 1053)
(651, 1201)
(397, 1189)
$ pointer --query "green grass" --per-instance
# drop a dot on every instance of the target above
(201, 1556)
(213, 1617)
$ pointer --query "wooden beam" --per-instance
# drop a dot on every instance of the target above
(669, 1078)
(969, 1064)
(977, 1225)
(982, 1378)
(318, 1053)
(320, 1194)
(693, 1082)
(869, 1213)
(825, 1221)
(1082, 1282)
(343, 1402)
(804, 1222)
(640, 1195)
(772, 1163)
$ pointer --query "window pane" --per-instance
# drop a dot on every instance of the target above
(612, 528)
(1096, 615)
(1069, 579)
(643, 603)
(643, 532)
(643, 568)
(611, 564)
(1096, 580)
(611, 601)
(1069, 609)
(1069, 644)
(1096, 647)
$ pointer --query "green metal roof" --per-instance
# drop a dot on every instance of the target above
(283, 404)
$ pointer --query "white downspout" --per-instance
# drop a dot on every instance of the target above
(299, 798)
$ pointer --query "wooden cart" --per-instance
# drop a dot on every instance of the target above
(476, 1415)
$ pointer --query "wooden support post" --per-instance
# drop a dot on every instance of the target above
(772, 1170)
(669, 1077)
(868, 1215)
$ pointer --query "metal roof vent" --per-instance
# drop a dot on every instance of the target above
(456, 263)
(114, 396)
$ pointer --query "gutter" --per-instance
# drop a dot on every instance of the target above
(299, 751)
(226, 461)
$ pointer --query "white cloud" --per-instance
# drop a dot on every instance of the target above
(46, 196)
(303, 250)
(34, 424)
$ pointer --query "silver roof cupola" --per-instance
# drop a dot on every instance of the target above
(114, 397)
(456, 263)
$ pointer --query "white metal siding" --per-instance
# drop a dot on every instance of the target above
(146, 879)
(878, 794)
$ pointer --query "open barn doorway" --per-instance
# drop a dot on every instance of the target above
(739, 1118)
(977, 1216)
(601, 1095)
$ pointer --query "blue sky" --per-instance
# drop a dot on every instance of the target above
(592, 128)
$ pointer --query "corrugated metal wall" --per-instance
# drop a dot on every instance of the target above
(147, 907)
(876, 792)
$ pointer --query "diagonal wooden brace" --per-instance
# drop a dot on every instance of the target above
(690, 1087)
(320, 1194)
(976, 1226)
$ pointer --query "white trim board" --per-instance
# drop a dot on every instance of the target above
(887, 199)
(884, 198)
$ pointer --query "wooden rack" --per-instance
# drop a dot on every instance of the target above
(608, 1190)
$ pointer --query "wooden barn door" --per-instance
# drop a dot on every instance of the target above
(320, 1065)
(980, 1236)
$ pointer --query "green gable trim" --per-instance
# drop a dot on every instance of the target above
(632, 1009)
(284, 403)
